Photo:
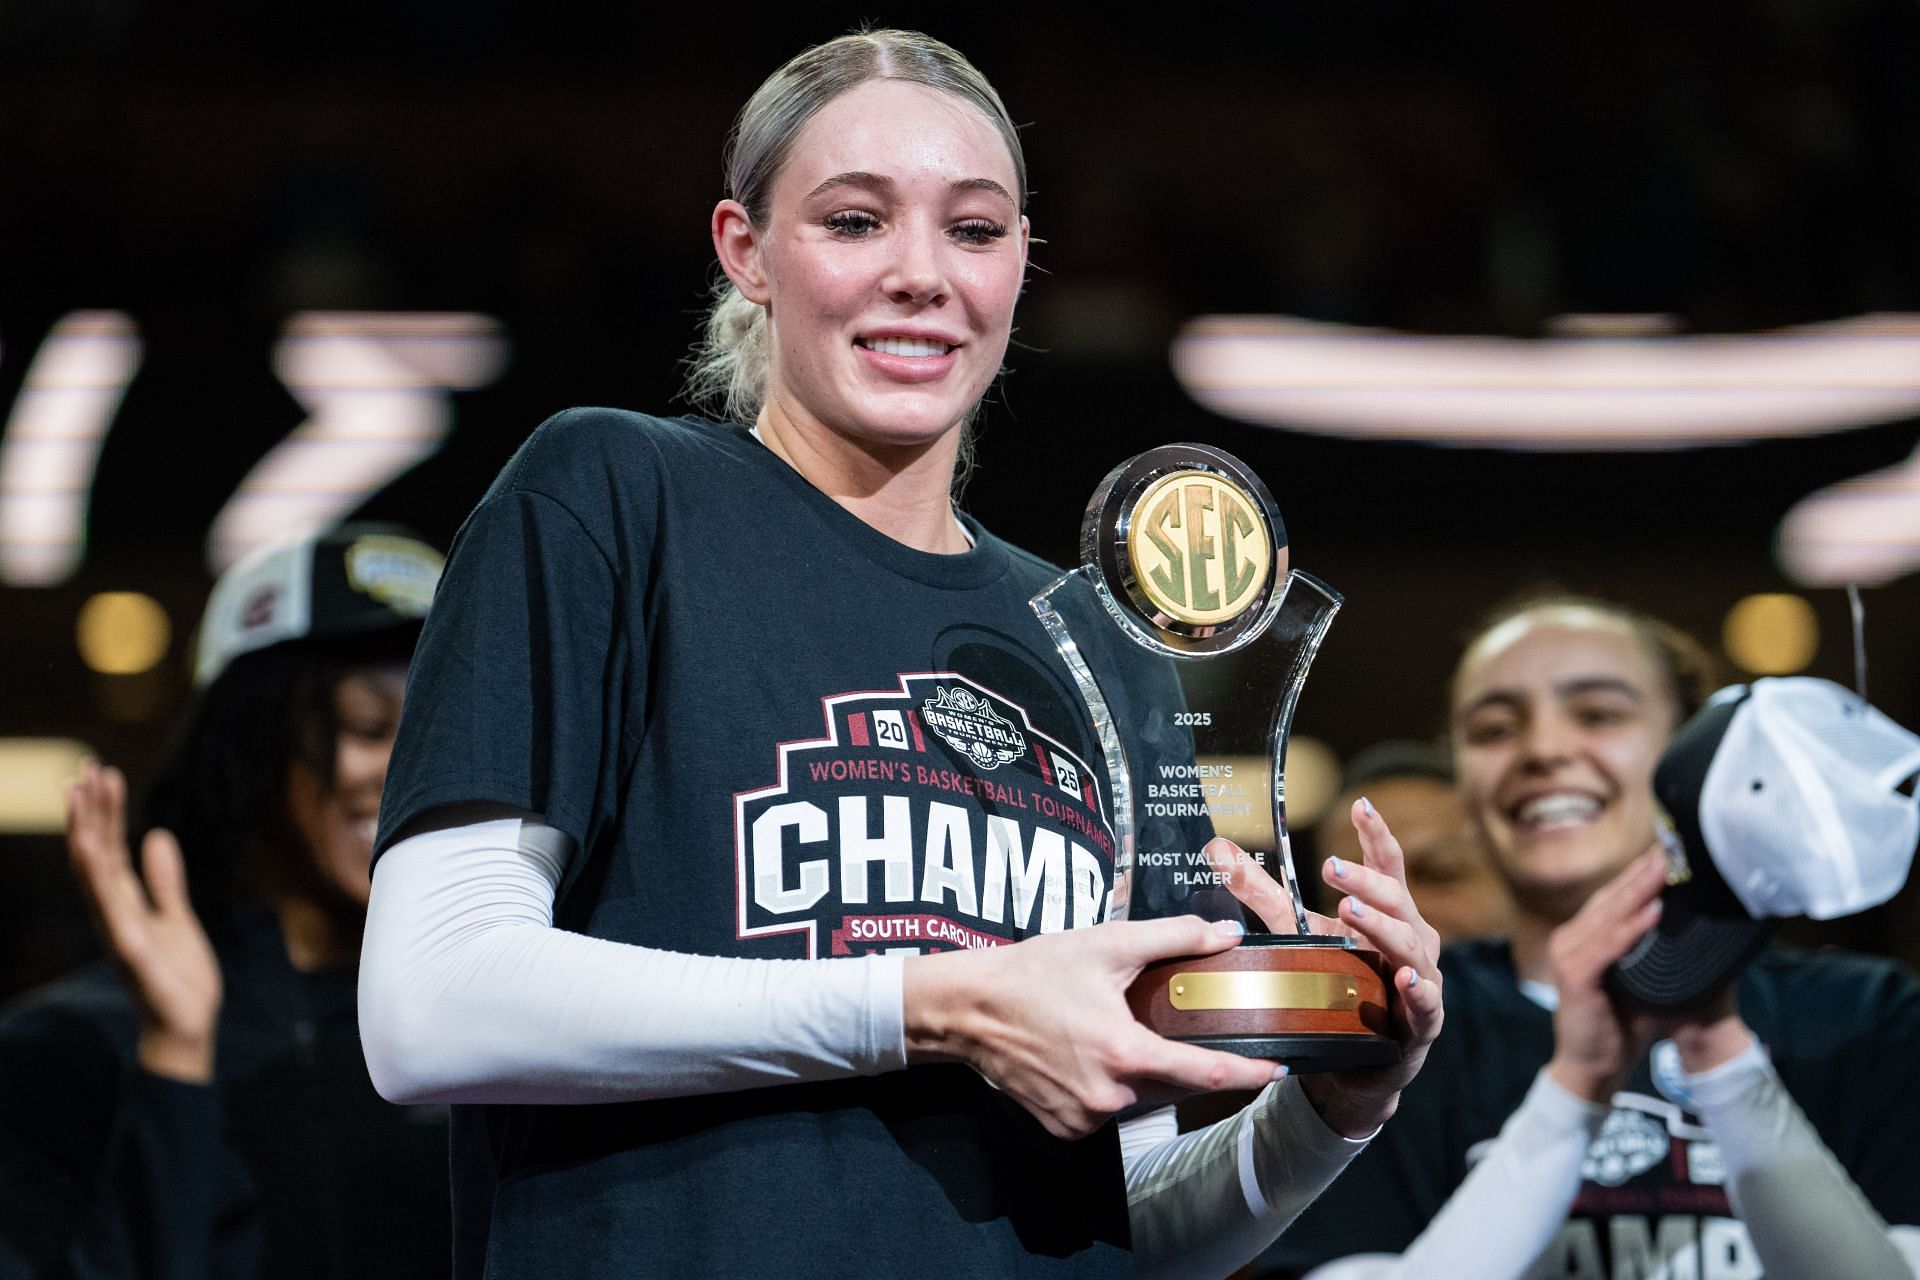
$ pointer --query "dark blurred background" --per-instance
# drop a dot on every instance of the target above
(205, 172)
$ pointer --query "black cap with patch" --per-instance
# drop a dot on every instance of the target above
(1705, 936)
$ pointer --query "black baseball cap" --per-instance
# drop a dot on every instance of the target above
(1785, 797)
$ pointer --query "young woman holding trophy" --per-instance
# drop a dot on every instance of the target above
(742, 802)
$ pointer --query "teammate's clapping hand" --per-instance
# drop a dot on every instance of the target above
(149, 929)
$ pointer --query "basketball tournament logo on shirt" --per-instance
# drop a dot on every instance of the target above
(928, 817)
(971, 726)
(1652, 1202)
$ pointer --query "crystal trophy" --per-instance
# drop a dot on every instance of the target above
(1185, 561)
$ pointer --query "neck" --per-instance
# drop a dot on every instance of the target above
(317, 938)
(902, 490)
(1530, 934)
(1537, 912)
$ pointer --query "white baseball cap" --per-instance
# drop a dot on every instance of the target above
(353, 580)
(1785, 797)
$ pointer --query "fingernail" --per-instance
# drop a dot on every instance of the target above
(1353, 904)
(1230, 928)
(1413, 979)
(1280, 1073)
(1367, 805)
(1339, 869)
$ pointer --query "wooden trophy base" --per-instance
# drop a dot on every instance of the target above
(1315, 1002)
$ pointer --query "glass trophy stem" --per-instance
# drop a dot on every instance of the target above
(1119, 778)
(1306, 611)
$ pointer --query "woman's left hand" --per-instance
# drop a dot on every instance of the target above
(1378, 912)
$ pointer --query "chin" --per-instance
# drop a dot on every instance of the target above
(1569, 860)
(908, 427)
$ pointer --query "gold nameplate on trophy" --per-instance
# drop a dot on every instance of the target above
(1262, 991)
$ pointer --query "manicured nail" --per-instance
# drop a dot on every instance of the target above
(1230, 928)
(1367, 805)
(1339, 869)
(1354, 905)
(1280, 1073)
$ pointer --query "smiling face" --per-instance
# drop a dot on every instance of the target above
(1559, 717)
(336, 821)
(889, 261)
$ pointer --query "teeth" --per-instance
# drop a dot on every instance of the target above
(1562, 806)
(907, 346)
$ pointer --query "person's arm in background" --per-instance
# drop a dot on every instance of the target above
(1805, 1214)
(1816, 1223)
(138, 1203)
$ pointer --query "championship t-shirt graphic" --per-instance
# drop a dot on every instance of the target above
(1652, 1203)
(929, 817)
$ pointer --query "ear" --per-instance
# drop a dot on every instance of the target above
(737, 244)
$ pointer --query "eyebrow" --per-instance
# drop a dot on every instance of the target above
(1565, 689)
(881, 183)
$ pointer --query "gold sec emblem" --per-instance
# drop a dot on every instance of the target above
(1199, 550)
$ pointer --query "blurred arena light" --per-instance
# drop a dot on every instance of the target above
(376, 386)
(1313, 780)
(1620, 388)
(1865, 530)
(34, 773)
(52, 444)
(122, 633)
(1772, 634)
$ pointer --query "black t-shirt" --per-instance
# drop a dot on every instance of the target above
(1843, 1031)
(772, 732)
(289, 1165)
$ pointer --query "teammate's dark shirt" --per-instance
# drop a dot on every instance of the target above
(1843, 1031)
(288, 1165)
(773, 732)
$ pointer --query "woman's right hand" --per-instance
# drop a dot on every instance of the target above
(1046, 1021)
(151, 931)
(1596, 1043)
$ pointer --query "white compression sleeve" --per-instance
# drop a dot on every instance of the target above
(469, 994)
(1511, 1204)
(1805, 1215)
(1203, 1203)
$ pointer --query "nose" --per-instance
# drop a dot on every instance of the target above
(916, 275)
(1547, 740)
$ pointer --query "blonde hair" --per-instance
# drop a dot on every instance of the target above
(727, 373)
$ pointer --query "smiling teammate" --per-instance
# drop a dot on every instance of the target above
(1770, 1131)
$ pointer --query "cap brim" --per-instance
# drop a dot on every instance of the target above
(1687, 958)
